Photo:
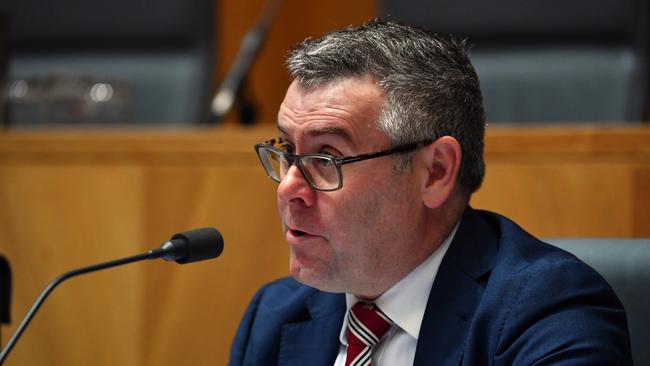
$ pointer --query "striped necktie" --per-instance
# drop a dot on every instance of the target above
(366, 325)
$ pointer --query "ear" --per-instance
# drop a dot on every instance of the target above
(441, 160)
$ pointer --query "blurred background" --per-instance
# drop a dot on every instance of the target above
(88, 63)
(124, 122)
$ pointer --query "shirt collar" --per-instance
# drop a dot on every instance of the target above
(406, 301)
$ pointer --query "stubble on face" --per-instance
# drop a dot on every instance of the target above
(360, 230)
(365, 256)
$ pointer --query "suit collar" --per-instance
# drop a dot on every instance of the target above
(315, 341)
(475, 245)
(456, 292)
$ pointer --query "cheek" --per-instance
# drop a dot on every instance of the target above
(381, 216)
(358, 219)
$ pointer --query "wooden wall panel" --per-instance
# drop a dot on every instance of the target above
(570, 181)
(528, 192)
(641, 202)
(54, 218)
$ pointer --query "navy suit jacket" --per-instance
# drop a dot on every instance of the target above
(501, 297)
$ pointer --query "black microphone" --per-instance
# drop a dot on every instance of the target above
(185, 247)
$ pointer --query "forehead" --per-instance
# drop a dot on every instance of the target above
(345, 108)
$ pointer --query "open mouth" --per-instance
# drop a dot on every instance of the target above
(298, 233)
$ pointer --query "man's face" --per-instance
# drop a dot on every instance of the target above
(354, 239)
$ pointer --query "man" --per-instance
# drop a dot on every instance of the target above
(380, 149)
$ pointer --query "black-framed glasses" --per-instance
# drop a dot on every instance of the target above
(322, 171)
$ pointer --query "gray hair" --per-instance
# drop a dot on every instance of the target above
(431, 87)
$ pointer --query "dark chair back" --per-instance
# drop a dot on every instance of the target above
(158, 54)
(625, 264)
(547, 61)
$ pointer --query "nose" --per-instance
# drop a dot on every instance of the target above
(294, 188)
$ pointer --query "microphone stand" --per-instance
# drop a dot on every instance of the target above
(236, 76)
(152, 254)
(184, 247)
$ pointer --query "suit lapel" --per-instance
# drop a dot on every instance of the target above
(314, 342)
(456, 293)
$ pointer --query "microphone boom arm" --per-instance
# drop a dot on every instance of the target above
(185, 247)
(152, 254)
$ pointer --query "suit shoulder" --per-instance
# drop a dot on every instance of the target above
(522, 252)
(544, 303)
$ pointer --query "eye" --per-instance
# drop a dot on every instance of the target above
(324, 163)
(330, 151)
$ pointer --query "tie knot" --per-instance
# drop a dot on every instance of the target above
(366, 324)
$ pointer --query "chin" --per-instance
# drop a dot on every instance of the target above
(306, 276)
(312, 278)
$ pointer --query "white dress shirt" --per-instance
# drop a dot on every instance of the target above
(404, 304)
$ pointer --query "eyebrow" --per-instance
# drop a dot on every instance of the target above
(336, 131)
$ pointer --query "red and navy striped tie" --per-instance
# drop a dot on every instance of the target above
(366, 325)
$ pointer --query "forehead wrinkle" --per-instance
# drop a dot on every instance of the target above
(325, 110)
(345, 110)
(317, 124)
(335, 131)
(325, 131)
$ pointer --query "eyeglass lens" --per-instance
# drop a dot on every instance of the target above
(321, 172)
(273, 162)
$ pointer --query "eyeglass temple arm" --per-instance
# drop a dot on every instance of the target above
(395, 150)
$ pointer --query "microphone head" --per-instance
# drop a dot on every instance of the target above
(194, 245)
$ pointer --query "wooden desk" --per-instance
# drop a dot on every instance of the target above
(72, 199)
